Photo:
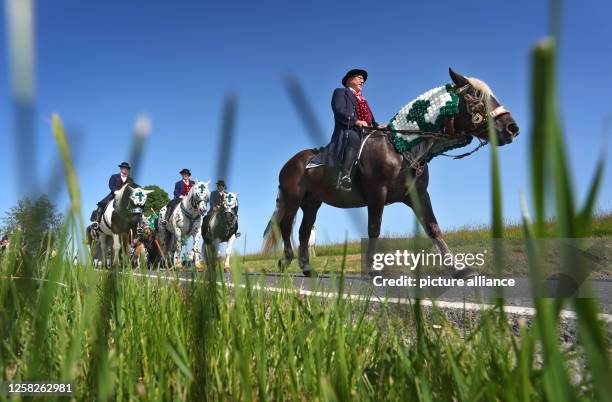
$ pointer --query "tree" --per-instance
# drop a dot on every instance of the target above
(155, 200)
(37, 219)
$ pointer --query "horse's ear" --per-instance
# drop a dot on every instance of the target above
(457, 78)
(207, 182)
(148, 191)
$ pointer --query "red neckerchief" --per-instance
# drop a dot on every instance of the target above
(363, 109)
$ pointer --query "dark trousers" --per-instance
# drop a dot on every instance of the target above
(351, 149)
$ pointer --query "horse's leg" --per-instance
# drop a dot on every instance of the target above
(286, 225)
(102, 245)
(196, 232)
(310, 206)
(426, 217)
(116, 249)
(178, 247)
(228, 251)
(177, 239)
(376, 204)
(166, 242)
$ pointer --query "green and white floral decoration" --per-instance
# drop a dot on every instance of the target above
(427, 112)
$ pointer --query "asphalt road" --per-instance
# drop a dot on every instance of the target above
(517, 299)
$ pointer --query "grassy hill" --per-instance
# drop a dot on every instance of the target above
(461, 240)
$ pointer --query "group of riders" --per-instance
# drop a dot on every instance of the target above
(181, 190)
(151, 227)
(351, 114)
(351, 110)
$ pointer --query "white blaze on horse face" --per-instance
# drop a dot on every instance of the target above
(230, 201)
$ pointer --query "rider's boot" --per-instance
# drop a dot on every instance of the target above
(344, 177)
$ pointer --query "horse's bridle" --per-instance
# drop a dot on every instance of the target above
(193, 201)
(229, 221)
(477, 109)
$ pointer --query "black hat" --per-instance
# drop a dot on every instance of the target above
(354, 72)
(125, 165)
(221, 183)
(185, 171)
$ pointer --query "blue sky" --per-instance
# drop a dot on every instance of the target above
(99, 64)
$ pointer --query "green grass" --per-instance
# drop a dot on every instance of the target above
(116, 336)
(467, 239)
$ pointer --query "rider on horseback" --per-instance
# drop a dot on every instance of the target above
(216, 199)
(115, 183)
(350, 110)
(181, 189)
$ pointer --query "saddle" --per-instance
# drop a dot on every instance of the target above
(324, 156)
(167, 211)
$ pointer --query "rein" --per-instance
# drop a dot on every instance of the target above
(430, 134)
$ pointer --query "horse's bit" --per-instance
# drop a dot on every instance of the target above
(475, 105)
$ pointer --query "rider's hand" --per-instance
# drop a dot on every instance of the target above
(361, 123)
(382, 126)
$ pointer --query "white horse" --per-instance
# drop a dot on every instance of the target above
(120, 220)
(223, 228)
(185, 220)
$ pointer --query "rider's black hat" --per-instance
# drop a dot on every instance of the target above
(221, 183)
(125, 165)
(354, 72)
(185, 171)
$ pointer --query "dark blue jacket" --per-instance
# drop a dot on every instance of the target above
(344, 106)
(178, 188)
(115, 183)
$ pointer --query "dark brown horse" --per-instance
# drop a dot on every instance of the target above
(384, 176)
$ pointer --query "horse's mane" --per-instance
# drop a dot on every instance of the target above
(317, 150)
(483, 87)
(119, 193)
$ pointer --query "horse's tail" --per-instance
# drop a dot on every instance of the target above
(272, 233)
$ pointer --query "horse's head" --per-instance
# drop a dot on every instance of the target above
(476, 103)
(130, 200)
(199, 196)
(229, 206)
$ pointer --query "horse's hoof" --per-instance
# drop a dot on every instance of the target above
(282, 264)
(308, 271)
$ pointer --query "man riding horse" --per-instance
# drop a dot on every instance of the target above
(216, 199)
(393, 165)
(115, 183)
(181, 189)
(351, 111)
